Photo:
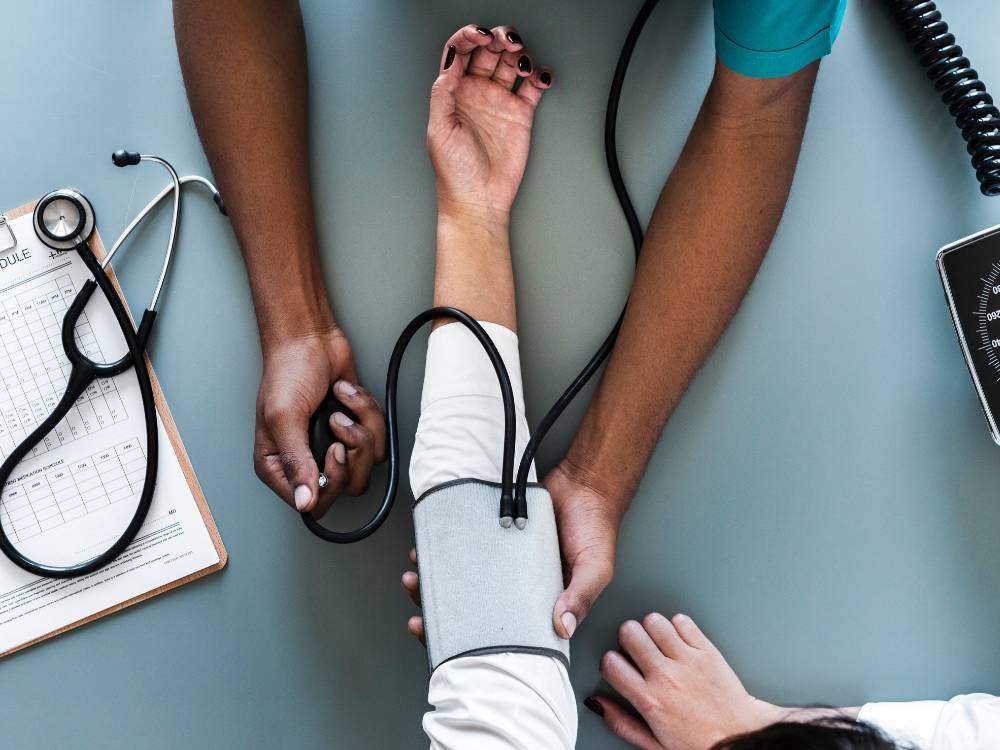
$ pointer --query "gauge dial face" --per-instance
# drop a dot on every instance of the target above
(970, 272)
(988, 320)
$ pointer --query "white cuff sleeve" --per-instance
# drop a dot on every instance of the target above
(460, 434)
(912, 723)
(501, 702)
(457, 364)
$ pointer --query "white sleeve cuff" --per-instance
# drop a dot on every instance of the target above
(499, 702)
(912, 722)
(457, 364)
(461, 429)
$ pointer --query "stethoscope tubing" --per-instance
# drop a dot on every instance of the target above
(83, 373)
(137, 220)
(636, 232)
(507, 509)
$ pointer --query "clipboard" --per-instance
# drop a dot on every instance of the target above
(7, 239)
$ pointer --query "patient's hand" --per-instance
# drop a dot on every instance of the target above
(689, 698)
(411, 585)
(480, 119)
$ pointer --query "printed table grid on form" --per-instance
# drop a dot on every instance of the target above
(34, 370)
(52, 498)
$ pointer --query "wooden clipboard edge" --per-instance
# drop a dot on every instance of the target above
(170, 427)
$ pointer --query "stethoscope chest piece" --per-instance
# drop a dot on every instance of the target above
(64, 219)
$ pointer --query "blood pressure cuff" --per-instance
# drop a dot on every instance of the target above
(486, 589)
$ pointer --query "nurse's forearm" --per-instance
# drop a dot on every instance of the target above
(245, 69)
(714, 221)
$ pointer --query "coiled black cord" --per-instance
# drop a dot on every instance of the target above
(958, 83)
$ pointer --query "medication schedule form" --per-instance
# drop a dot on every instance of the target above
(76, 491)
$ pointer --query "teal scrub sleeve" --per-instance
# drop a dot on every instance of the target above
(771, 38)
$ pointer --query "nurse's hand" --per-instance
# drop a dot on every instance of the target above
(298, 373)
(588, 524)
(479, 130)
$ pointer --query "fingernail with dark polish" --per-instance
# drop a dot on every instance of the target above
(524, 64)
(450, 57)
(594, 706)
(545, 78)
(514, 38)
(484, 31)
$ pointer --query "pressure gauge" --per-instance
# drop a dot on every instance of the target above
(970, 273)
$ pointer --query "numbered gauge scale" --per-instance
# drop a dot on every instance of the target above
(970, 273)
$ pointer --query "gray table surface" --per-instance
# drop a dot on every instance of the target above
(822, 501)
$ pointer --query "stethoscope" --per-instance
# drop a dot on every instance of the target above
(64, 220)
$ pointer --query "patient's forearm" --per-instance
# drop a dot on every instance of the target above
(473, 268)
(713, 223)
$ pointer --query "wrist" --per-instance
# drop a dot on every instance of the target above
(612, 501)
(463, 218)
(299, 318)
(466, 228)
(595, 460)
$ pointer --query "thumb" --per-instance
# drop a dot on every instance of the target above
(442, 109)
(623, 724)
(588, 577)
(288, 431)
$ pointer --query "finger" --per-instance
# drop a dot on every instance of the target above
(411, 584)
(588, 577)
(623, 677)
(459, 48)
(368, 412)
(664, 635)
(691, 633)
(539, 82)
(413, 555)
(335, 469)
(360, 451)
(511, 38)
(513, 64)
(454, 59)
(287, 429)
(483, 60)
(415, 625)
(267, 466)
(638, 644)
(623, 724)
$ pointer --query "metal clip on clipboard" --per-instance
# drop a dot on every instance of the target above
(8, 241)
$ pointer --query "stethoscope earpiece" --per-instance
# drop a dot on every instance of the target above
(123, 158)
(64, 219)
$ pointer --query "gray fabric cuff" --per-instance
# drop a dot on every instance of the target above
(486, 589)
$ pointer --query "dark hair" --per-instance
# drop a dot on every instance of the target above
(825, 733)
